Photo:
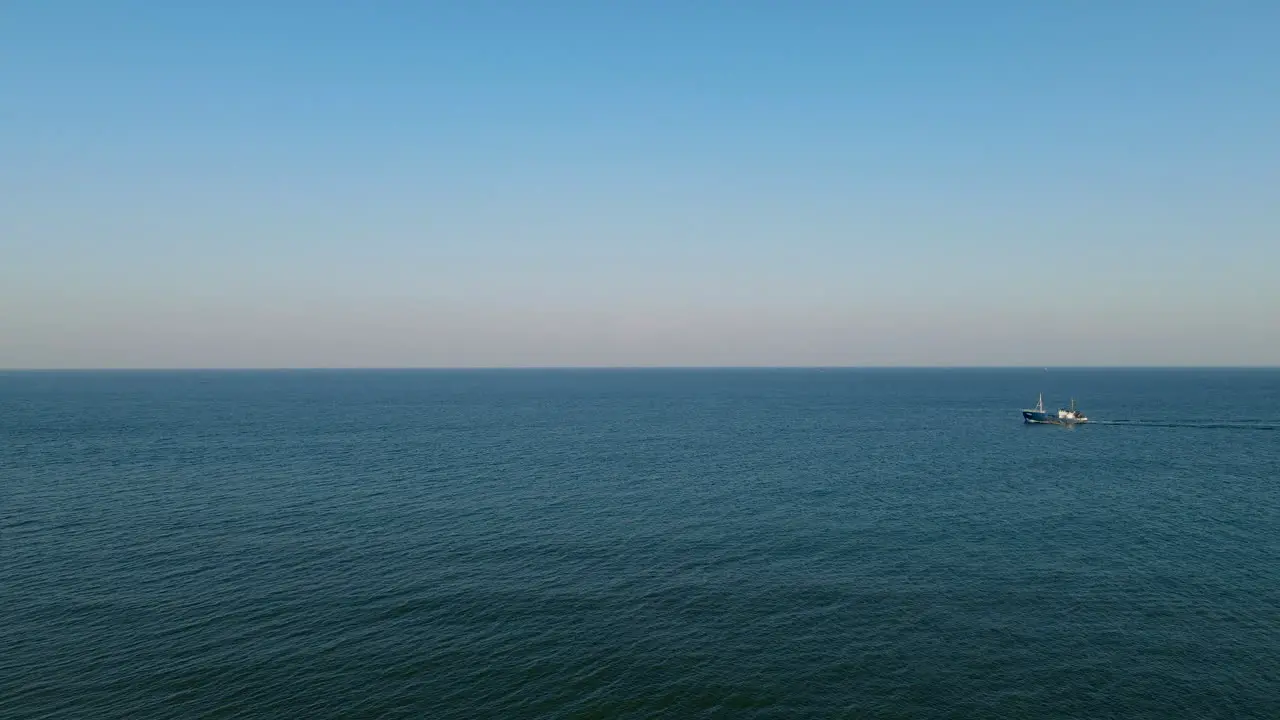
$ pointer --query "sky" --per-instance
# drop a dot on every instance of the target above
(693, 182)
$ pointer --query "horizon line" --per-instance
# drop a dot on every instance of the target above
(463, 368)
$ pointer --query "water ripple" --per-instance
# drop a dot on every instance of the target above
(745, 544)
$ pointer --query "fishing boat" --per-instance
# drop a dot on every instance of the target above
(1062, 417)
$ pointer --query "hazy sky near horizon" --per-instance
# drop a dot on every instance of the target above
(482, 183)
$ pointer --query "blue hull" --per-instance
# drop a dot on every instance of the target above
(1032, 416)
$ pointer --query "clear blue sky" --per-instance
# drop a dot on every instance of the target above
(319, 184)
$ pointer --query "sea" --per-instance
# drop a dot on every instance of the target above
(652, 543)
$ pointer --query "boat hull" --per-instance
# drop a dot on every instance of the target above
(1044, 418)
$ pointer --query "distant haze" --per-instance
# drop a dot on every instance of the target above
(634, 184)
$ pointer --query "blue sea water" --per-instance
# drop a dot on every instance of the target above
(647, 543)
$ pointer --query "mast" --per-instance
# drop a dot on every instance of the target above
(1040, 403)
